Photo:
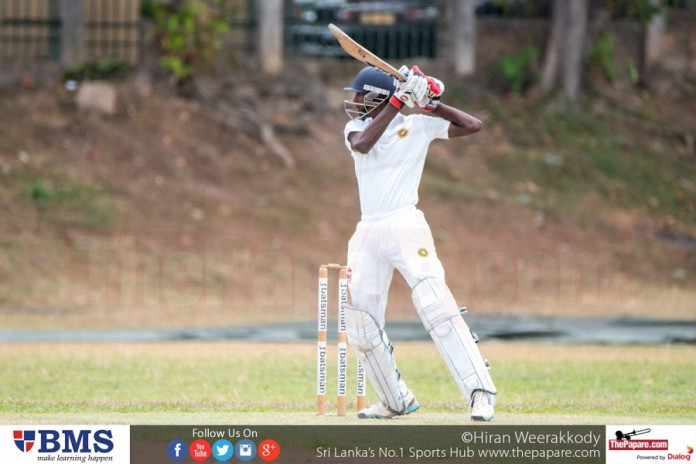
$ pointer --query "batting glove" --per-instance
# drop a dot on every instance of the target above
(409, 92)
(431, 99)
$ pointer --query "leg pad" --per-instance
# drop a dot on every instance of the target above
(373, 348)
(441, 318)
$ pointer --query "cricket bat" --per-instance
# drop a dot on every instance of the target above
(362, 54)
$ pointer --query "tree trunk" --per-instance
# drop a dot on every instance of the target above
(554, 46)
(653, 32)
(574, 49)
(270, 38)
(464, 33)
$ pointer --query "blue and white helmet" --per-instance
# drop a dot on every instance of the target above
(375, 85)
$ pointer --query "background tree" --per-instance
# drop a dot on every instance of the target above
(463, 25)
(549, 73)
(652, 18)
(565, 49)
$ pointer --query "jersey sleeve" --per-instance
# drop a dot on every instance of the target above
(352, 126)
(435, 128)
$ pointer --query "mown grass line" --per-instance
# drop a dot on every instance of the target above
(189, 378)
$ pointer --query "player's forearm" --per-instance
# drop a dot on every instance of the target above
(462, 122)
(362, 142)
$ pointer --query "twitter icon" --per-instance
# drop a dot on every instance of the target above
(223, 450)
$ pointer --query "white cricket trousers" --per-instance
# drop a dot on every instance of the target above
(402, 241)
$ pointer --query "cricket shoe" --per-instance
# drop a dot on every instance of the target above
(380, 411)
(482, 404)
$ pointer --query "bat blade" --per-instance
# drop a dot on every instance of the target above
(362, 54)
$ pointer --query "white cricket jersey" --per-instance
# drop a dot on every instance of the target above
(389, 174)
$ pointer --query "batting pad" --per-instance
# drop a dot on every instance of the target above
(373, 348)
(441, 318)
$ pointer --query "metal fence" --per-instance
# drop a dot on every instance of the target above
(391, 29)
(29, 30)
(112, 29)
(240, 44)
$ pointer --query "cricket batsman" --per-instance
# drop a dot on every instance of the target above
(389, 150)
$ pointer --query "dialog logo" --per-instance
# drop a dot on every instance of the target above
(223, 450)
(681, 456)
(177, 450)
(245, 450)
(24, 439)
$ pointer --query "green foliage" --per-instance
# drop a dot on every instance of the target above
(643, 10)
(601, 56)
(73, 204)
(633, 73)
(147, 8)
(505, 6)
(102, 69)
(510, 8)
(517, 69)
(189, 33)
(39, 194)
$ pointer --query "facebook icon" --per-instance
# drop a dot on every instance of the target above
(177, 450)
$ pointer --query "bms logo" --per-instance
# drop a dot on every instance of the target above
(24, 439)
(65, 441)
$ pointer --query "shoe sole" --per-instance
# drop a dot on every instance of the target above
(481, 418)
(373, 416)
(412, 408)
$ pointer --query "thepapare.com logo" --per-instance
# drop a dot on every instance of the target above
(85, 445)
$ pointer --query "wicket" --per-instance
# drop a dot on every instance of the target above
(322, 320)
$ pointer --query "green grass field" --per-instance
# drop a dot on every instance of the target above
(262, 383)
